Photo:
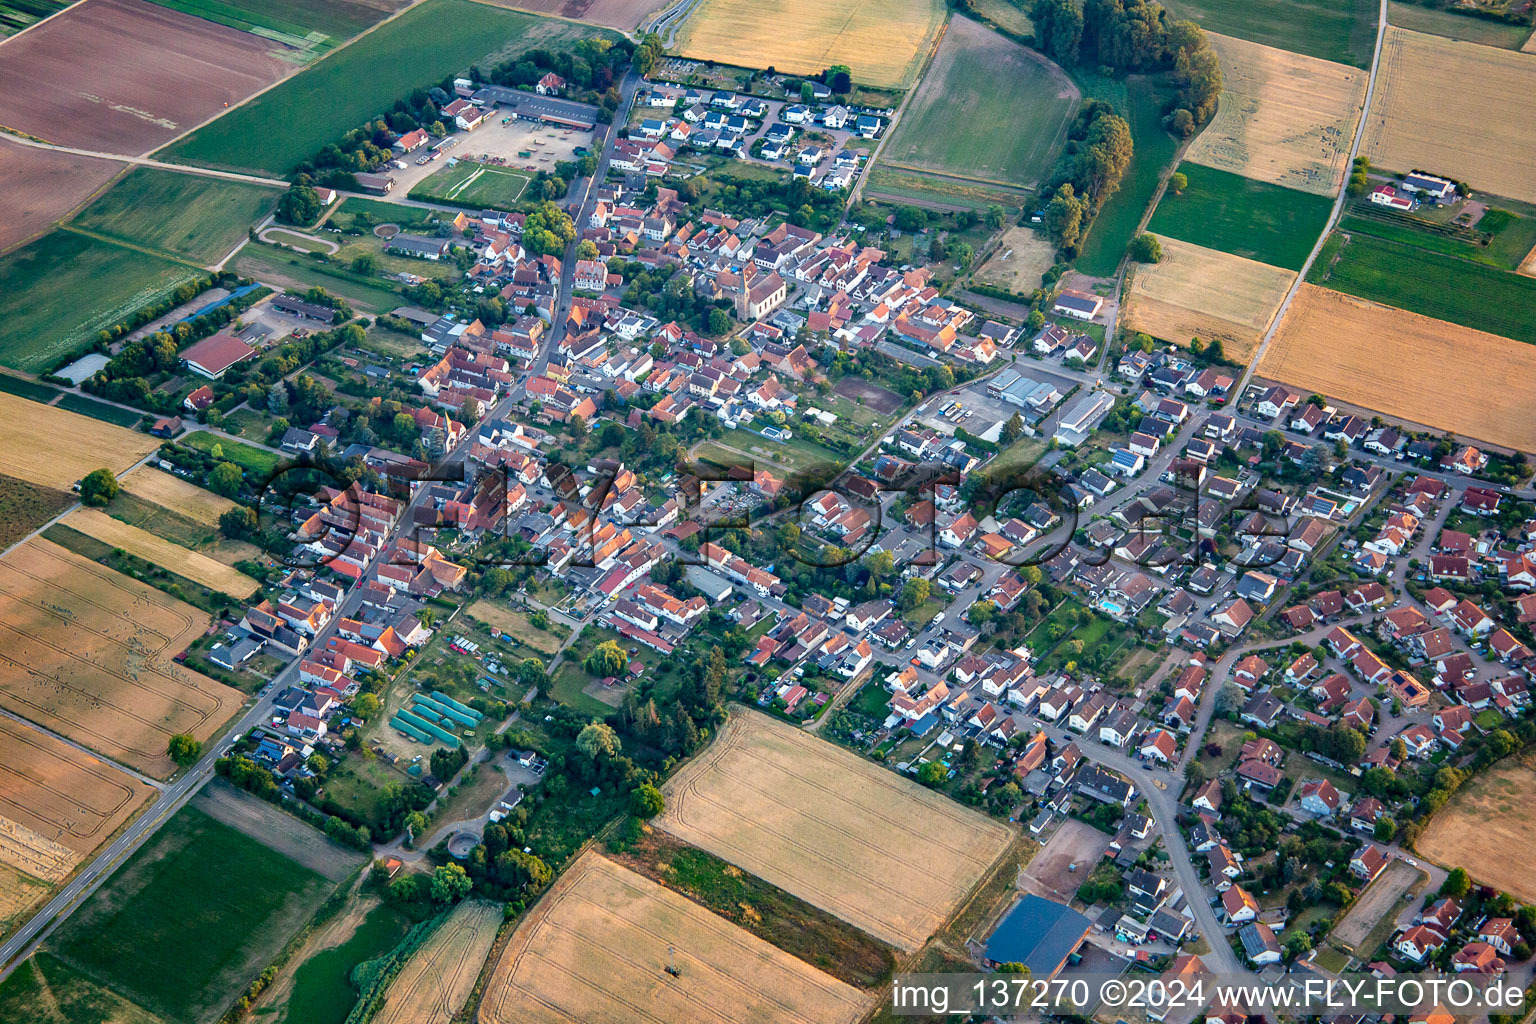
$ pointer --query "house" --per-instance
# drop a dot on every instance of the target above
(1259, 943)
(1078, 305)
(1479, 957)
(1418, 942)
(1430, 187)
(1039, 933)
(419, 247)
(1239, 906)
(1368, 862)
(1319, 797)
(550, 85)
(1500, 933)
(1390, 197)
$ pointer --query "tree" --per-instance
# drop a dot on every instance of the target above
(1064, 217)
(1058, 29)
(807, 92)
(1296, 944)
(1145, 248)
(645, 801)
(1386, 829)
(415, 825)
(914, 592)
(98, 487)
(365, 263)
(184, 749)
(365, 705)
(586, 249)
(607, 659)
(839, 79)
(598, 741)
(981, 613)
(1013, 429)
(719, 321)
(299, 205)
(450, 884)
(226, 479)
(1399, 750)
(237, 522)
(1178, 181)
(932, 774)
(1457, 883)
(317, 763)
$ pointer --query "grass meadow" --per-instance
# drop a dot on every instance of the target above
(1343, 31)
(1142, 106)
(1242, 216)
(197, 218)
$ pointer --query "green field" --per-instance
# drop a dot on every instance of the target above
(474, 186)
(953, 193)
(312, 27)
(1009, 15)
(291, 122)
(197, 218)
(258, 463)
(1248, 218)
(988, 109)
(58, 292)
(1430, 283)
(1116, 223)
(1509, 236)
(366, 214)
(190, 920)
(1338, 30)
(1457, 26)
(25, 387)
(323, 992)
(271, 265)
(43, 990)
(16, 15)
(100, 410)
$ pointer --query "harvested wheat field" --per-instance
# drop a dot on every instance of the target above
(596, 948)
(42, 185)
(55, 447)
(127, 76)
(437, 982)
(87, 652)
(1283, 118)
(883, 42)
(1489, 828)
(1486, 138)
(1406, 365)
(828, 826)
(157, 551)
(57, 803)
(1195, 292)
(176, 494)
(1019, 262)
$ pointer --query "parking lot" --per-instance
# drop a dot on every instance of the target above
(494, 143)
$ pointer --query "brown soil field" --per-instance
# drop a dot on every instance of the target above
(55, 799)
(87, 652)
(438, 981)
(172, 557)
(824, 824)
(1380, 897)
(1075, 842)
(623, 15)
(1402, 364)
(1283, 118)
(277, 829)
(126, 76)
(1019, 262)
(42, 185)
(1489, 828)
(1195, 292)
(883, 400)
(1486, 138)
(596, 948)
(55, 447)
(516, 622)
(176, 494)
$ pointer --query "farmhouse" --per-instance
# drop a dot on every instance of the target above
(1392, 198)
(213, 355)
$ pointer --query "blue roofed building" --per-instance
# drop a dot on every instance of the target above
(1039, 933)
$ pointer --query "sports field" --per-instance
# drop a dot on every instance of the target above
(1201, 293)
(830, 827)
(191, 919)
(598, 946)
(1434, 284)
(308, 28)
(1402, 364)
(1487, 138)
(290, 123)
(55, 448)
(474, 185)
(436, 983)
(1153, 153)
(87, 652)
(988, 109)
(60, 291)
(176, 494)
(883, 42)
(174, 558)
(1489, 828)
(1248, 218)
(196, 218)
(1343, 31)
(57, 803)
(1283, 118)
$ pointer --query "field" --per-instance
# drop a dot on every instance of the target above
(176, 494)
(1283, 118)
(124, 76)
(1419, 18)
(199, 219)
(57, 804)
(1470, 294)
(939, 191)
(437, 982)
(44, 990)
(1380, 898)
(87, 652)
(1252, 219)
(515, 622)
(824, 824)
(316, 986)
(597, 946)
(190, 919)
(1201, 293)
(58, 292)
(1343, 31)
(883, 43)
(988, 109)
(1503, 236)
(180, 530)
(1482, 139)
(273, 266)
(1022, 257)
(1405, 365)
(1488, 826)
(42, 185)
(74, 444)
(309, 27)
(291, 122)
(1010, 15)
(25, 506)
(183, 562)
(475, 185)
(620, 14)
(16, 15)
(103, 411)
(257, 462)
(1117, 222)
